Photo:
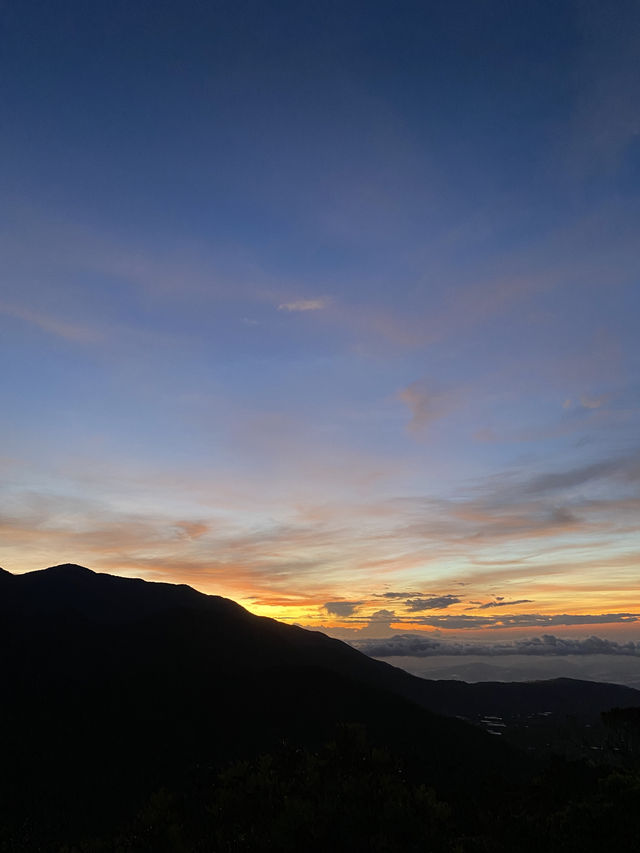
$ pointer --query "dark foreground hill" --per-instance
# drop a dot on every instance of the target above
(117, 693)
(176, 628)
(114, 688)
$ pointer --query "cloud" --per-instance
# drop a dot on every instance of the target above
(72, 332)
(190, 529)
(342, 608)
(410, 645)
(395, 594)
(513, 508)
(557, 481)
(488, 517)
(436, 602)
(500, 603)
(588, 402)
(379, 623)
(384, 541)
(303, 305)
(524, 620)
(425, 404)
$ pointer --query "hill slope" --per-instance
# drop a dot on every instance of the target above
(114, 688)
(170, 626)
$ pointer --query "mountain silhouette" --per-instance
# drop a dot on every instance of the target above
(115, 687)
(219, 635)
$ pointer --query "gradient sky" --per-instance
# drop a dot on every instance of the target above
(332, 308)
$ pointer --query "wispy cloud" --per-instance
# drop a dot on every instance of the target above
(53, 325)
(560, 480)
(191, 529)
(426, 404)
(588, 402)
(303, 305)
(526, 620)
(396, 545)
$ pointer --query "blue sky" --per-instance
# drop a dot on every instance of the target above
(318, 303)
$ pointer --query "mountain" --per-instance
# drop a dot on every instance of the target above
(174, 628)
(113, 688)
(222, 636)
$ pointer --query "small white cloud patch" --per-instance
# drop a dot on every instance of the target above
(302, 305)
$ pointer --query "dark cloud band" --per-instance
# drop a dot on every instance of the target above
(342, 608)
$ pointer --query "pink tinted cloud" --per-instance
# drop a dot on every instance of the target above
(427, 405)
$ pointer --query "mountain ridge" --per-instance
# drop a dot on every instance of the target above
(115, 689)
(109, 599)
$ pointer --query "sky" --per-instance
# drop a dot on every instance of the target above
(331, 308)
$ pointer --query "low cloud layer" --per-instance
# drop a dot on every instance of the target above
(410, 645)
